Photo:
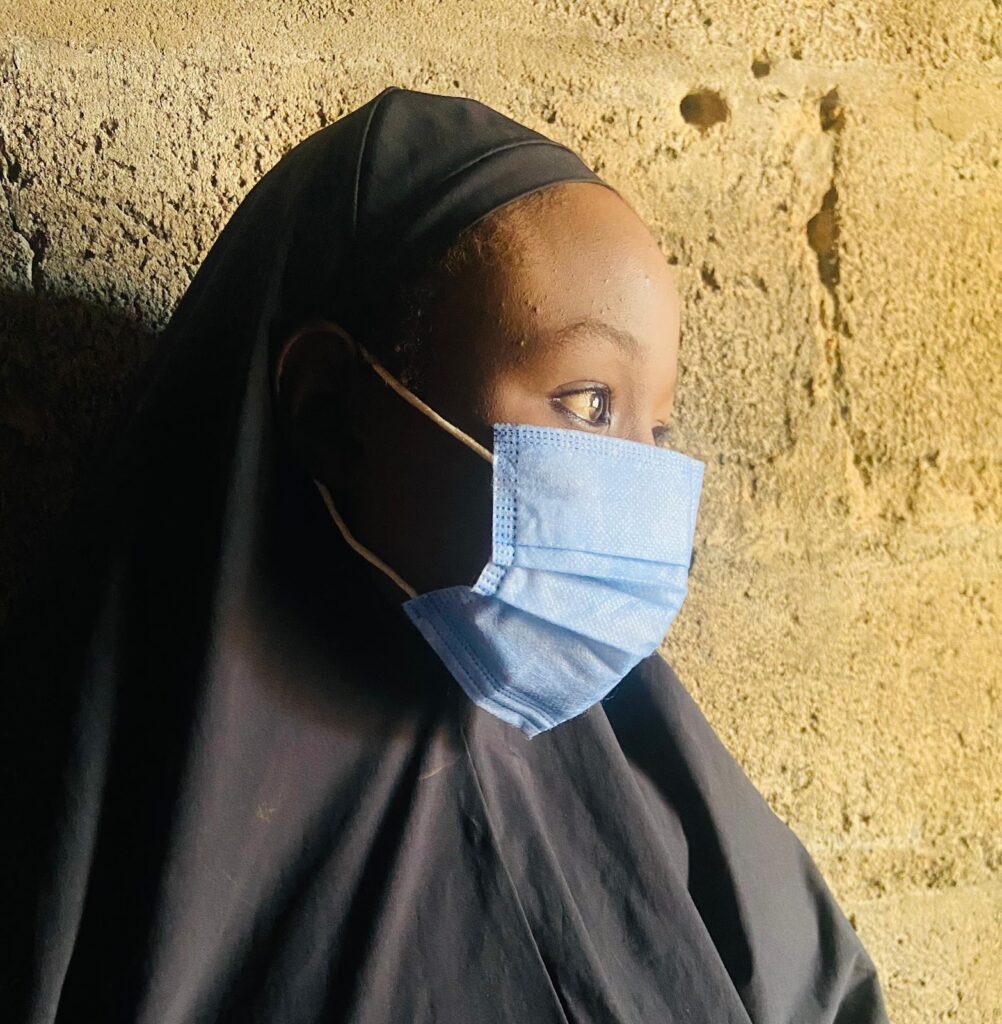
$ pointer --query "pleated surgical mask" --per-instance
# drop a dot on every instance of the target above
(592, 544)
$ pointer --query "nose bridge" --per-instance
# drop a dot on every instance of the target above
(646, 437)
(637, 416)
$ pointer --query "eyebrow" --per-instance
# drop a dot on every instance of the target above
(592, 325)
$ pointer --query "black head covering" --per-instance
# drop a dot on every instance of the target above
(243, 790)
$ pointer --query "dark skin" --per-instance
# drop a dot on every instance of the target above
(418, 497)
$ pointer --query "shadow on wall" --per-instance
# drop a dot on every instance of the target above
(67, 369)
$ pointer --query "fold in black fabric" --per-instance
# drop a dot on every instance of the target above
(240, 787)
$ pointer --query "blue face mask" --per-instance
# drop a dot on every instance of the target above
(592, 543)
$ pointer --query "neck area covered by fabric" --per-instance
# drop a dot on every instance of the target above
(592, 543)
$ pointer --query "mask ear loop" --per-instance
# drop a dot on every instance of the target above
(413, 399)
(361, 549)
(408, 396)
(342, 526)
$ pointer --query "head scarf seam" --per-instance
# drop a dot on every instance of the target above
(361, 156)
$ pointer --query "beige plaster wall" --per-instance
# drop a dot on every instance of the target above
(838, 241)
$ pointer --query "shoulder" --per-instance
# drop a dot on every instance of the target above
(665, 736)
(790, 951)
(662, 729)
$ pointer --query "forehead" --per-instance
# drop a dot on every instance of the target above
(589, 266)
(578, 287)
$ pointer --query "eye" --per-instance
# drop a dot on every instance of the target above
(592, 404)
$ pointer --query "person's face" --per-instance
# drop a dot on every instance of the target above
(581, 331)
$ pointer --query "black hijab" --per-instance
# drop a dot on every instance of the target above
(240, 788)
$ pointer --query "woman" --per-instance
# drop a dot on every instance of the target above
(296, 737)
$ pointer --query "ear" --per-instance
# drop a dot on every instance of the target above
(318, 384)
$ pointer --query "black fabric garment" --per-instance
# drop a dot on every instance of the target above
(239, 786)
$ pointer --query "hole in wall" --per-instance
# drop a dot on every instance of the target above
(822, 236)
(709, 277)
(830, 112)
(703, 108)
(760, 67)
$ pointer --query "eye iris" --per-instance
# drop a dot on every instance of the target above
(588, 405)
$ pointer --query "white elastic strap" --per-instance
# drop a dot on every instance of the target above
(426, 409)
(360, 548)
(403, 392)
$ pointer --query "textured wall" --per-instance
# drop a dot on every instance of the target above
(827, 179)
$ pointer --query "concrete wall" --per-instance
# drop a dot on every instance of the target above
(827, 179)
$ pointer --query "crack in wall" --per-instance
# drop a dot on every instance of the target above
(38, 241)
(10, 174)
(823, 236)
